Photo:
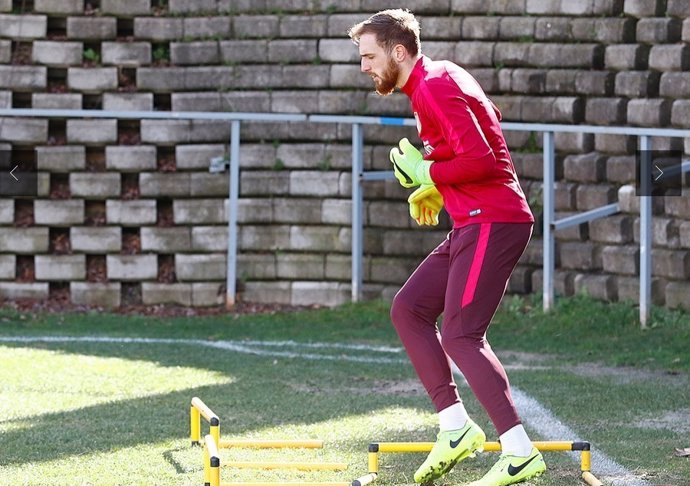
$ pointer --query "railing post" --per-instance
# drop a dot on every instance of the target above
(644, 160)
(548, 196)
(234, 182)
(357, 210)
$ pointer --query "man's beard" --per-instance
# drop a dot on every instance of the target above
(385, 84)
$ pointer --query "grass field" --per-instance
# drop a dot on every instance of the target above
(116, 413)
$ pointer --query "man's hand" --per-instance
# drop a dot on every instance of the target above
(425, 204)
(409, 166)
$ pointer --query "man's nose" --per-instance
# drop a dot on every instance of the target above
(364, 66)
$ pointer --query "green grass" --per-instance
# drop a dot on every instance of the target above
(80, 413)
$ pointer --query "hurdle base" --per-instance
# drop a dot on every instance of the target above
(364, 480)
(591, 479)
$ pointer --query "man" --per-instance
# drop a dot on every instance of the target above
(466, 167)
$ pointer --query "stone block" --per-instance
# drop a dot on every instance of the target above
(53, 53)
(516, 28)
(8, 267)
(90, 185)
(626, 57)
(566, 55)
(678, 295)
(92, 80)
(303, 26)
(91, 28)
(165, 240)
(126, 54)
(255, 210)
(314, 183)
(190, 157)
(60, 267)
(256, 266)
(158, 184)
(5, 51)
(205, 294)
(63, 212)
(665, 232)
(209, 238)
(678, 206)
(293, 51)
(471, 53)
(240, 51)
(267, 292)
(606, 111)
(194, 267)
(686, 30)
(589, 167)
(24, 241)
(580, 255)
(621, 169)
(336, 211)
(391, 214)
(159, 28)
(96, 294)
(671, 263)
(649, 112)
(613, 229)
(567, 109)
(95, 240)
(560, 81)
(621, 259)
(685, 234)
(24, 291)
(171, 132)
(600, 287)
(574, 142)
(199, 52)
(131, 8)
(23, 27)
(670, 57)
(637, 84)
(629, 290)
(206, 184)
(644, 8)
(674, 85)
(392, 270)
(659, 30)
(23, 78)
(257, 26)
(6, 211)
(132, 267)
(520, 281)
(339, 267)
(91, 132)
(605, 30)
(294, 102)
(64, 7)
(56, 101)
(24, 130)
(480, 27)
(678, 8)
(614, 144)
(317, 238)
(594, 196)
(136, 212)
(195, 7)
(529, 166)
(329, 294)
(680, 114)
(154, 293)
(66, 158)
(300, 266)
(207, 27)
(130, 158)
(296, 210)
(594, 83)
(199, 211)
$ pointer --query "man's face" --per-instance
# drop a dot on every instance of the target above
(378, 64)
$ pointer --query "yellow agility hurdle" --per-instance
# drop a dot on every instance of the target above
(378, 447)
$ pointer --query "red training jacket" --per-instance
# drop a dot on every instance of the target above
(460, 129)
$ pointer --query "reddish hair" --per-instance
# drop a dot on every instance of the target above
(391, 27)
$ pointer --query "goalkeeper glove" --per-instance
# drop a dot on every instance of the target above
(409, 166)
(425, 204)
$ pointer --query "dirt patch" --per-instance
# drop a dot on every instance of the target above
(627, 375)
(407, 388)
(676, 420)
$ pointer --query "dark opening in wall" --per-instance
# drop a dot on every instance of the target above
(57, 80)
(130, 293)
(26, 269)
(92, 101)
(21, 100)
(94, 213)
(21, 53)
(59, 241)
(57, 131)
(22, 6)
(165, 158)
(96, 268)
(95, 159)
(162, 102)
(59, 186)
(131, 241)
(58, 292)
(165, 215)
(129, 183)
(166, 269)
(125, 29)
(128, 132)
(56, 28)
(23, 213)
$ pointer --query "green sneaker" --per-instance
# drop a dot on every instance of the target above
(513, 469)
(451, 447)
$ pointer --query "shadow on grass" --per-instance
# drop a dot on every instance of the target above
(263, 394)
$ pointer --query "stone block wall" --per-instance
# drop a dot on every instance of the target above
(128, 213)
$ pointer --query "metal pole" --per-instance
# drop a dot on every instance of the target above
(357, 210)
(230, 286)
(645, 230)
(549, 245)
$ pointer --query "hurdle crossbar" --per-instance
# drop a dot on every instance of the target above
(301, 466)
(375, 448)
(270, 444)
(197, 410)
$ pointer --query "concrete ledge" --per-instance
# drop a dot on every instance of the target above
(20, 290)
(24, 241)
(160, 293)
(105, 295)
(60, 267)
(200, 267)
(132, 267)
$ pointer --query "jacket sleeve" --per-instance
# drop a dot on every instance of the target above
(473, 158)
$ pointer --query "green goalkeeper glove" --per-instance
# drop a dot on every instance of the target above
(409, 166)
(425, 204)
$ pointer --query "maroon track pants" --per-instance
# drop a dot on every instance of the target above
(464, 278)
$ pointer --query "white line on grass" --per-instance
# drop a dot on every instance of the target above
(532, 412)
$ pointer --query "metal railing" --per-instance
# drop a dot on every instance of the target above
(359, 176)
(550, 223)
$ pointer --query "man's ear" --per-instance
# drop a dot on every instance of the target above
(399, 53)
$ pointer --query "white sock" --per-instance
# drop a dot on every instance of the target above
(515, 442)
(453, 417)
